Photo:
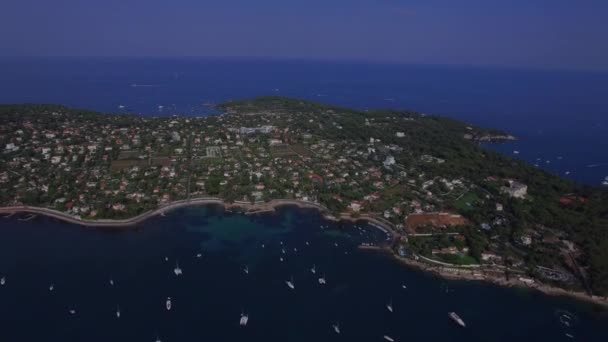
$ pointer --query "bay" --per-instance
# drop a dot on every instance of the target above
(213, 291)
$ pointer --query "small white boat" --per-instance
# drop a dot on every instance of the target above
(2, 281)
(516, 152)
(569, 335)
(290, 283)
(322, 280)
(177, 270)
(389, 306)
(158, 339)
(307, 244)
(336, 328)
(51, 287)
(263, 246)
(72, 312)
(168, 303)
(117, 311)
(246, 270)
(313, 269)
(335, 244)
(388, 338)
(295, 250)
(281, 258)
(283, 250)
(166, 258)
(244, 319)
(199, 255)
(403, 286)
(111, 282)
(454, 316)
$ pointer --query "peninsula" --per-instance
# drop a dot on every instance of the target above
(449, 204)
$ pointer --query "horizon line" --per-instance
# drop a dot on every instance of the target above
(319, 60)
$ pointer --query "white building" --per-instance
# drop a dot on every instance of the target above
(515, 189)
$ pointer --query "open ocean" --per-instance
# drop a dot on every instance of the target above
(561, 117)
(208, 299)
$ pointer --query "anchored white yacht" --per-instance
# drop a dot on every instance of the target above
(168, 303)
(177, 270)
(290, 283)
(454, 316)
(244, 319)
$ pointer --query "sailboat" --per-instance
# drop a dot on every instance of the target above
(117, 311)
(313, 269)
(290, 283)
(322, 280)
(389, 306)
(177, 270)
(336, 327)
(168, 303)
(244, 319)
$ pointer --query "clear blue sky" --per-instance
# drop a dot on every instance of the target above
(564, 34)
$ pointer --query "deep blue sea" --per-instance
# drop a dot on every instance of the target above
(561, 117)
(213, 291)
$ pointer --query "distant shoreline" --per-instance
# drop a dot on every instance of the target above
(270, 207)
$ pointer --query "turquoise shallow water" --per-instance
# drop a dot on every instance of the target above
(213, 290)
